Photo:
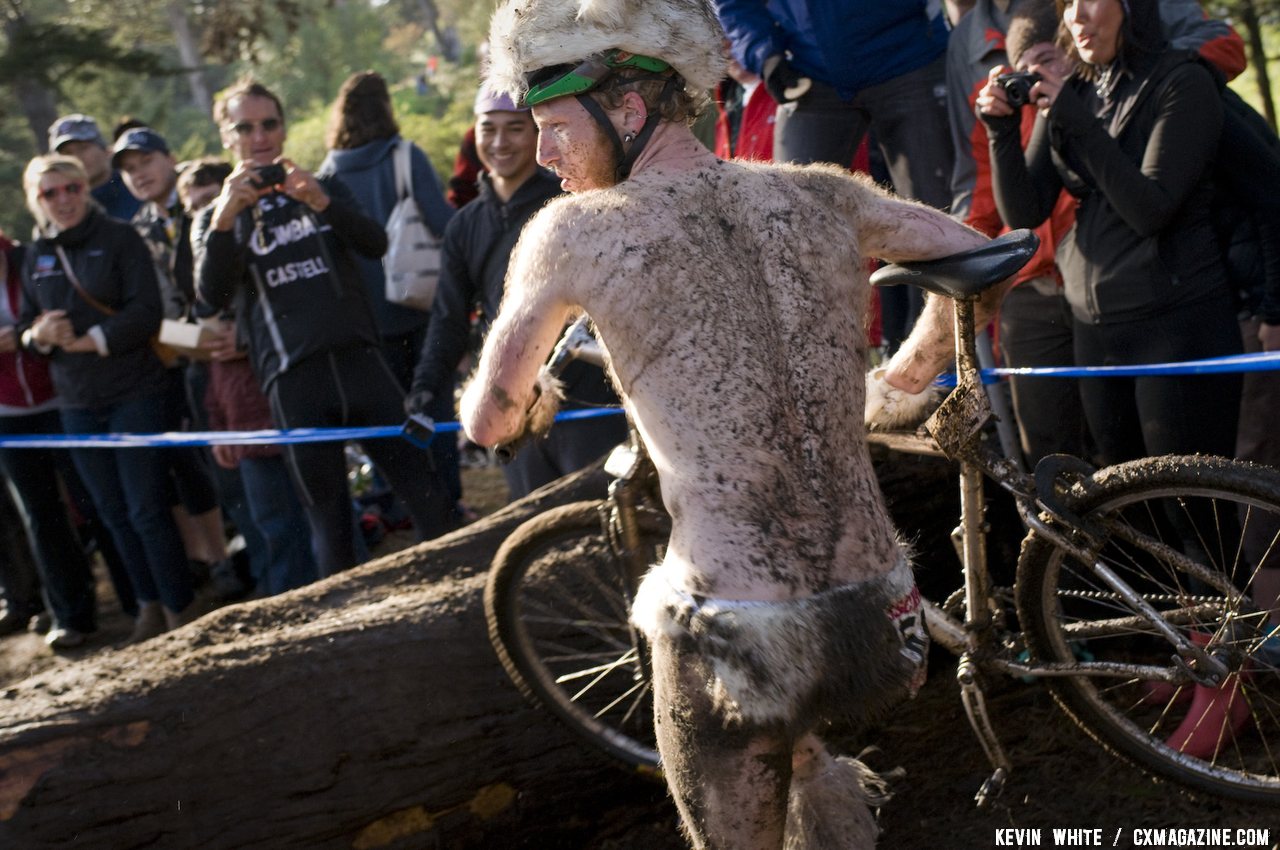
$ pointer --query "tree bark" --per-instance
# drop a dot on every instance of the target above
(365, 711)
(189, 51)
(1258, 54)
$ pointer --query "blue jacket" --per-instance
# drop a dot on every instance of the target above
(369, 172)
(847, 44)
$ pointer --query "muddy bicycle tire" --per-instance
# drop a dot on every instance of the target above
(556, 603)
(1227, 515)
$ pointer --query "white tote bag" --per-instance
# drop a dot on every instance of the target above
(412, 262)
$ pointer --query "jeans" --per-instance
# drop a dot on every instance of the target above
(129, 487)
(63, 569)
(908, 115)
(281, 523)
(352, 387)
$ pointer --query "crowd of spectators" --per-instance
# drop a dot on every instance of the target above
(1117, 158)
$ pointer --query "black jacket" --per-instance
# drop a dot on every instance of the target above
(294, 275)
(1143, 242)
(477, 247)
(113, 264)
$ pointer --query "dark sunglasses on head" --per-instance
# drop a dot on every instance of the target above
(66, 188)
(245, 128)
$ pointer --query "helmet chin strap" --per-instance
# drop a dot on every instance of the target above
(626, 156)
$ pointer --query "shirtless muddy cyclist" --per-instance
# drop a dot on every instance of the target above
(731, 298)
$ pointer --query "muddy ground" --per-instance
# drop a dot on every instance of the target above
(1060, 778)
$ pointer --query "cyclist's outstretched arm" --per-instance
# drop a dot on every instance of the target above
(498, 400)
(899, 231)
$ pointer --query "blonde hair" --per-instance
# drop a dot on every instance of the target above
(50, 163)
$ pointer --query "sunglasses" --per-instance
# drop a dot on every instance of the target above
(70, 189)
(246, 128)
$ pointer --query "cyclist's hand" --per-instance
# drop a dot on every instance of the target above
(889, 408)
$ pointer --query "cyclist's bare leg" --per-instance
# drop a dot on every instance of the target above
(730, 784)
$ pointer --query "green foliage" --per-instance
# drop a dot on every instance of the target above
(116, 58)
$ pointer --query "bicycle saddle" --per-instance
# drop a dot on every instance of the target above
(966, 275)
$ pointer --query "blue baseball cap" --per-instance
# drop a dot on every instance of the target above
(138, 139)
(74, 128)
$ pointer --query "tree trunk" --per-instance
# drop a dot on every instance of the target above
(365, 711)
(1258, 56)
(189, 52)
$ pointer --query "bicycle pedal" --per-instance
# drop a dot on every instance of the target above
(991, 789)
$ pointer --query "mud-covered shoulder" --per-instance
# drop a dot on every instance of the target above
(566, 244)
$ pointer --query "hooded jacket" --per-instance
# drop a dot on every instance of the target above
(1141, 245)
(369, 172)
(293, 275)
(113, 264)
(477, 248)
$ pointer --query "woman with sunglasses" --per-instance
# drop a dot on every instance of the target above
(92, 305)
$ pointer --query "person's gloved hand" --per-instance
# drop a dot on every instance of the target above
(417, 401)
(783, 81)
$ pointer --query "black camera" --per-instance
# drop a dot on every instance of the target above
(265, 176)
(1017, 86)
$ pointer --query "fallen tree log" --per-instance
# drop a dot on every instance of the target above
(365, 711)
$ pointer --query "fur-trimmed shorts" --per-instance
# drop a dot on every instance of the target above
(844, 655)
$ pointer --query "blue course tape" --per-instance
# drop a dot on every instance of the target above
(1259, 362)
(242, 438)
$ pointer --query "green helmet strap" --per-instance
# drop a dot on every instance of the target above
(564, 80)
(626, 158)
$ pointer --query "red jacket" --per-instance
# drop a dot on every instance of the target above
(755, 131)
(24, 375)
(234, 402)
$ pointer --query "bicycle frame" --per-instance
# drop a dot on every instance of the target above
(958, 430)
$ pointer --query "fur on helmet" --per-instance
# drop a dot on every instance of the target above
(526, 35)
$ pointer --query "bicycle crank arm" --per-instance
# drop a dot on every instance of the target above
(975, 706)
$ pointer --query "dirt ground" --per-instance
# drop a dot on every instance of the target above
(1061, 779)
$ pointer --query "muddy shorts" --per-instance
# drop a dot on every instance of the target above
(843, 656)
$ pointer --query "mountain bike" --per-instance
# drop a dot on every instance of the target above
(1132, 596)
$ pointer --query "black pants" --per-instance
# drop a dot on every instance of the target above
(1131, 418)
(64, 576)
(1036, 329)
(351, 388)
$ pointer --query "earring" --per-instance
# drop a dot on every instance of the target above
(629, 138)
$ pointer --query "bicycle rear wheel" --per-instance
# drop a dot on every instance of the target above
(1189, 534)
(557, 601)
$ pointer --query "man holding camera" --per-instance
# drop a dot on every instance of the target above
(282, 244)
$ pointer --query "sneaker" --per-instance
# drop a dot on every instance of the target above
(61, 638)
(225, 581)
(11, 621)
(148, 624)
